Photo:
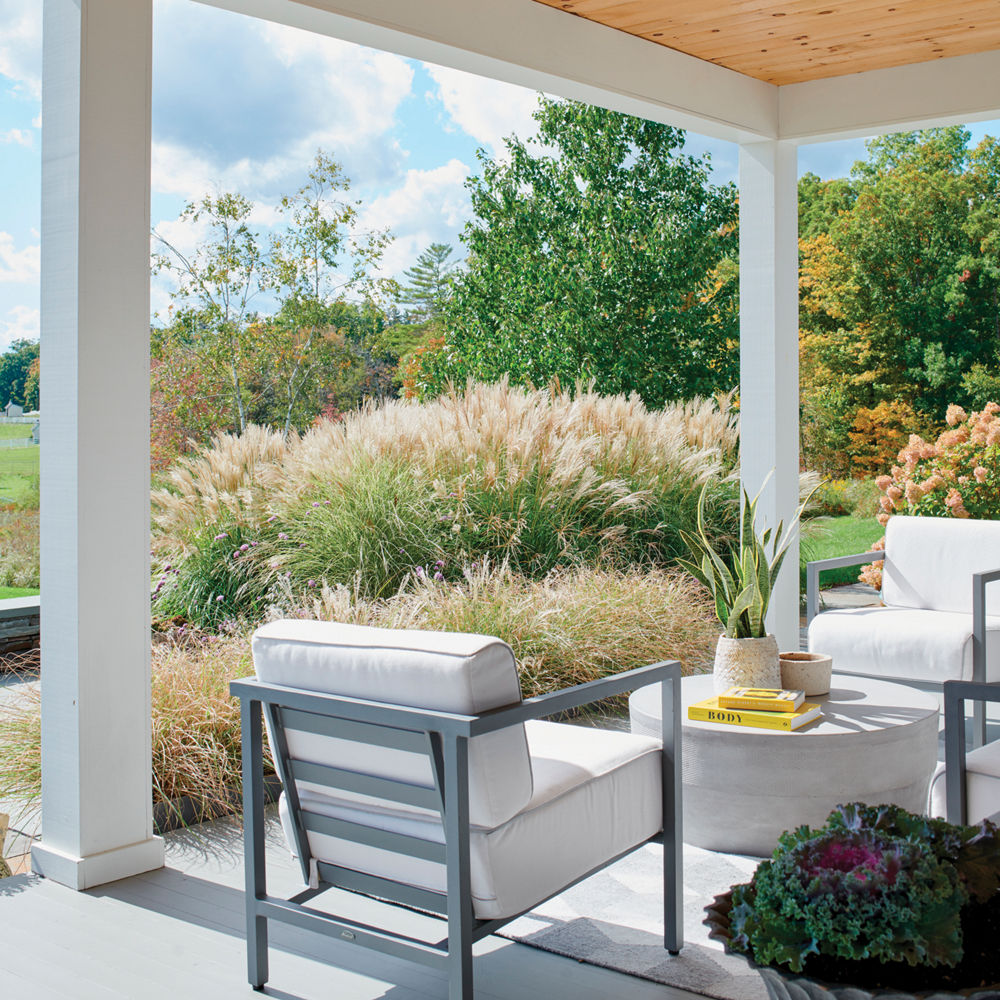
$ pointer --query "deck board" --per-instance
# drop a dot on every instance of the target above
(179, 932)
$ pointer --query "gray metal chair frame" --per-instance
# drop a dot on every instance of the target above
(444, 738)
(956, 693)
(979, 581)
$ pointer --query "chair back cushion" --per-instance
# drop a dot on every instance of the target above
(930, 562)
(452, 672)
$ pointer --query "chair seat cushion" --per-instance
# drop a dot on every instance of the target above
(982, 785)
(596, 795)
(904, 643)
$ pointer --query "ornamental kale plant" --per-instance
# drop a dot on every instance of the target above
(875, 882)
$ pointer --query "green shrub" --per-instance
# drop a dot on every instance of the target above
(840, 497)
(875, 883)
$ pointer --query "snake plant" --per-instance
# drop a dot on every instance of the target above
(741, 580)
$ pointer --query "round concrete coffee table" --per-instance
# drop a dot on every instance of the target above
(875, 742)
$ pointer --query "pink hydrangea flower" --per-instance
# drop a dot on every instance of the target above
(955, 415)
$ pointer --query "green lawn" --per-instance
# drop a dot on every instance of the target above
(19, 475)
(14, 431)
(6, 592)
(826, 537)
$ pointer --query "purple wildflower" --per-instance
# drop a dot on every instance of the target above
(439, 575)
(420, 572)
(220, 536)
(310, 583)
(272, 518)
(220, 598)
(244, 547)
(283, 536)
(315, 503)
(253, 545)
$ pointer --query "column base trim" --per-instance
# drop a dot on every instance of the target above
(96, 869)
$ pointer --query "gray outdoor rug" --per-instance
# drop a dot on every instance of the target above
(615, 920)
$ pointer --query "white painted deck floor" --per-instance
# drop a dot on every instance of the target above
(178, 933)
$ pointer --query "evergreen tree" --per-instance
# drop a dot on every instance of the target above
(429, 283)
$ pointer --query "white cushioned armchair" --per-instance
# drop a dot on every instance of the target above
(413, 772)
(939, 622)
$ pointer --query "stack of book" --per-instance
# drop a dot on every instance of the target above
(758, 708)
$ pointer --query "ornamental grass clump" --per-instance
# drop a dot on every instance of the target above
(876, 897)
(573, 626)
(958, 475)
(536, 479)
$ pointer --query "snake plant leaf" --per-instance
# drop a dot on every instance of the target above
(740, 605)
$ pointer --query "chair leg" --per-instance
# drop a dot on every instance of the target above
(460, 970)
(461, 920)
(673, 857)
(257, 971)
(254, 862)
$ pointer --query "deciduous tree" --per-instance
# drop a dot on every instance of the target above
(597, 254)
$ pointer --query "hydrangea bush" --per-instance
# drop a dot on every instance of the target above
(958, 475)
(876, 882)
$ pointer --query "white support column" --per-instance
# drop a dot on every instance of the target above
(769, 353)
(96, 811)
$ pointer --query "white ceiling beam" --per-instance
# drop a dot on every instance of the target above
(922, 95)
(532, 45)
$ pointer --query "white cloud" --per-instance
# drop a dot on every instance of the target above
(21, 323)
(486, 109)
(430, 206)
(244, 104)
(18, 137)
(18, 266)
(21, 44)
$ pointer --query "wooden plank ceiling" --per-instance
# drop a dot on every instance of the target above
(789, 41)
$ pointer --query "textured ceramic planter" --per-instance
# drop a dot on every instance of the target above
(809, 672)
(746, 663)
(789, 986)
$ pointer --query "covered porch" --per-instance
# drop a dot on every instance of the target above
(184, 921)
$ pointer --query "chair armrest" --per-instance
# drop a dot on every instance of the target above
(814, 568)
(956, 693)
(574, 697)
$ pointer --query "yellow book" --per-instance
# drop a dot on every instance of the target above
(709, 710)
(762, 699)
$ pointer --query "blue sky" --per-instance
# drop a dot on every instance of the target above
(243, 105)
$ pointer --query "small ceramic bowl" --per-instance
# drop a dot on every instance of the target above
(809, 672)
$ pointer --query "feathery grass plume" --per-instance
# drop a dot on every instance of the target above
(571, 627)
(21, 754)
(196, 723)
(540, 479)
(19, 548)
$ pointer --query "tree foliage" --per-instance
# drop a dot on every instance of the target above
(429, 283)
(602, 253)
(268, 328)
(15, 370)
(899, 286)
